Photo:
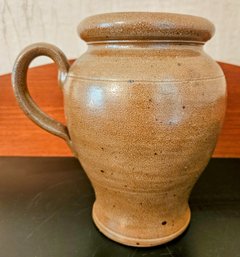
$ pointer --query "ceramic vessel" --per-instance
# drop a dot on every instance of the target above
(144, 106)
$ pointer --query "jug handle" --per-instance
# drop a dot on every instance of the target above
(25, 101)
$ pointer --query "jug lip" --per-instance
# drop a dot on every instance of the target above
(145, 26)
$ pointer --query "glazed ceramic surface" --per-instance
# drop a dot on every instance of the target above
(144, 106)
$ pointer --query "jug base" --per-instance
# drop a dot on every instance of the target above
(136, 241)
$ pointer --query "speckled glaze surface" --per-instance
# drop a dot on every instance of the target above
(144, 107)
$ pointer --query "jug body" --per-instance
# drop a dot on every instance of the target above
(144, 119)
(144, 106)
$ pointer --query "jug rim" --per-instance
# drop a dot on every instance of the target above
(128, 26)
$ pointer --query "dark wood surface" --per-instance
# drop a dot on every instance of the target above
(20, 137)
(45, 211)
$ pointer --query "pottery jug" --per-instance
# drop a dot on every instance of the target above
(144, 106)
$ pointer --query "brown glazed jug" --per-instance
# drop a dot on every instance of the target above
(144, 106)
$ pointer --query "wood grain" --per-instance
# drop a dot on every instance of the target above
(229, 141)
(21, 137)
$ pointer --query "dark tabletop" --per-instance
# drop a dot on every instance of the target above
(45, 211)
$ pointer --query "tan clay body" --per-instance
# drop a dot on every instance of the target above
(144, 106)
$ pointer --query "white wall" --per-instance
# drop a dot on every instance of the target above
(23, 22)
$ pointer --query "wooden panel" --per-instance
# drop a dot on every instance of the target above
(18, 135)
(229, 140)
(21, 137)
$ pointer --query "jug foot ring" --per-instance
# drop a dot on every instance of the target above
(136, 241)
